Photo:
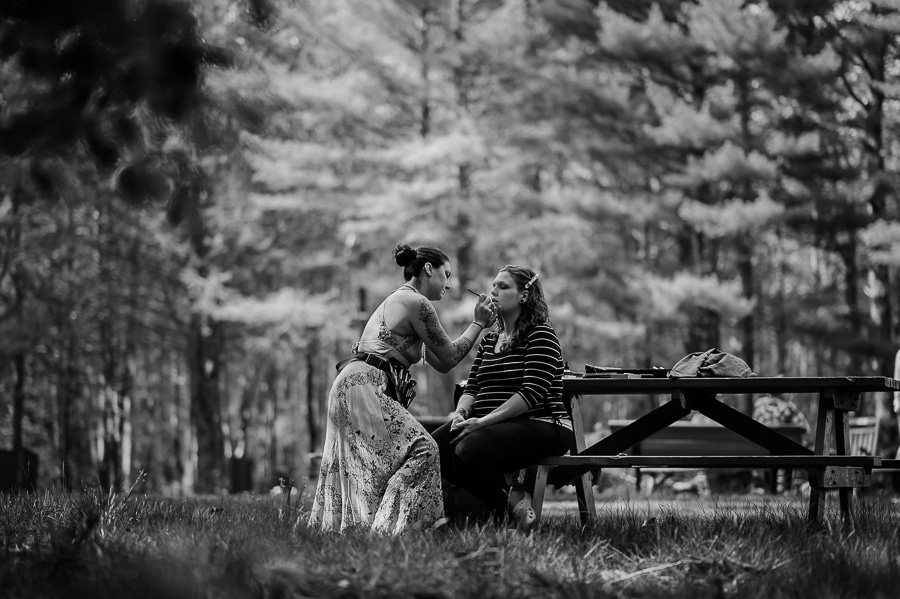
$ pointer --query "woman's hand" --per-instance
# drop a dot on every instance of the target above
(457, 421)
(465, 428)
(485, 311)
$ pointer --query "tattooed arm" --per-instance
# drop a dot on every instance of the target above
(440, 351)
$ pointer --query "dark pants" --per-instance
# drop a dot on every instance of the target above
(479, 462)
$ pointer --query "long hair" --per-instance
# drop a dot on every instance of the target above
(414, 260)
(534, 310)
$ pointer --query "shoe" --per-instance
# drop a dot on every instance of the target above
(441, 524)
(523, 513)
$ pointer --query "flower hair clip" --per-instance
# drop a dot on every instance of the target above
(531, 282)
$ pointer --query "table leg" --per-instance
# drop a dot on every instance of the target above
(624, 439)
(844, 495)
(816, 498)
(584, 491)
(540, 488)
(841, 433)
(824, 428)
(824, 437)
(832, 431)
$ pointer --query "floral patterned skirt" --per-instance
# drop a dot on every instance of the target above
(380, 468)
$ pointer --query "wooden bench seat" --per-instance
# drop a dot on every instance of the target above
(888, 466)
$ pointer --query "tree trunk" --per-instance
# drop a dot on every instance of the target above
(703, 330)
(882, 325)
(17, 278)
(779, 315)
(849, 256)
(77, 465)
(748, 322)
(182, 406)
(314, 418)
(425, 51)
(703, 323)
(206, 419)
(462, 80)
(18, 415)
(109, 472)
(274, 466)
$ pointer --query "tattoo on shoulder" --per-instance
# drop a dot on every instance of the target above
(436, 335)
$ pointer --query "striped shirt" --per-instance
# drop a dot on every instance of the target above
(533, 370)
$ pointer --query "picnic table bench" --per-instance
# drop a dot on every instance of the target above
(704, 438)
(828, 465)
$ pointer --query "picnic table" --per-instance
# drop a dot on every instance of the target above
(828, 464)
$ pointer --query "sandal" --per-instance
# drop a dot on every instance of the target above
(441, 524)
(523, 513)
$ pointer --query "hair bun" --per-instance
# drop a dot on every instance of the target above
(404, 254)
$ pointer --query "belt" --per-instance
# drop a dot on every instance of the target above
(399, 384)
(372, 360)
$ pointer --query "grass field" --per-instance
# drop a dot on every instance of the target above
(99, 545)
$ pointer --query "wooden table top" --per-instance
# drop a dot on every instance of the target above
(594, 385)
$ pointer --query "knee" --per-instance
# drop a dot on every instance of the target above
(427, 449)
(468, 454)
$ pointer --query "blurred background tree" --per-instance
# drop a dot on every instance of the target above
(199, 201)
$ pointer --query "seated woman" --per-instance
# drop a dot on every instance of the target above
(511, 413)
(379, 465)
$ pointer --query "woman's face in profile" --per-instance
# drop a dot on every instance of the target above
(440, 281)
(504, 292)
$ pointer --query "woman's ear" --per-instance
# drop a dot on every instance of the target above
(428, 268)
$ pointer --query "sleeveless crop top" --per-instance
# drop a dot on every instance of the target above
(388, 344)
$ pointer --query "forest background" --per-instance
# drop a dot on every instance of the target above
(199, 203)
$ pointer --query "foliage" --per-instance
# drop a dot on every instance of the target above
(682, 174)
(98, 77)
